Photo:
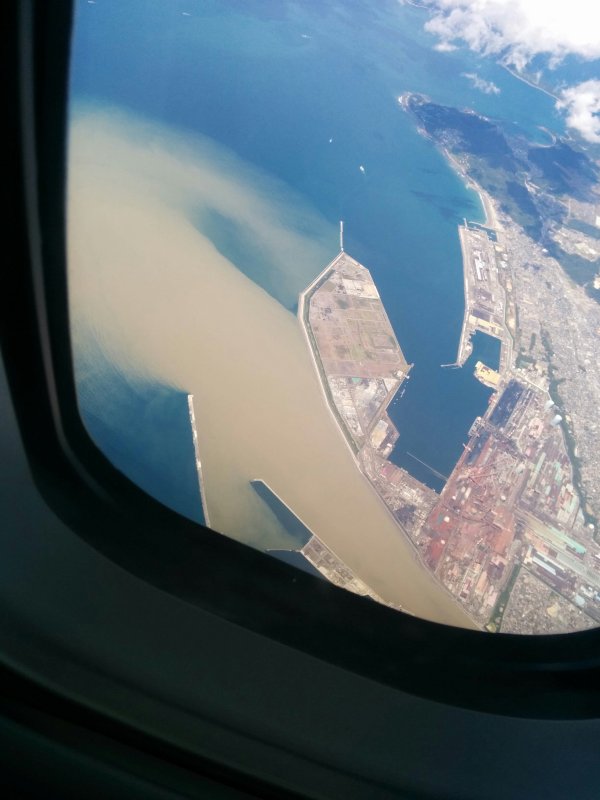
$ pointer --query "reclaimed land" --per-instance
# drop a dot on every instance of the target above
(361, 368)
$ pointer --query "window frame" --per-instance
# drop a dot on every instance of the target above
(536, 677)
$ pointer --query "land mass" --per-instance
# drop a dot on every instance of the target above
(356, 351)
(551, 191)
(362, 368)
(507, 536)
(545, 257)
(513, 533)
(511, 536)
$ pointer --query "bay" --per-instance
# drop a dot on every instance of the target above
(306, 93)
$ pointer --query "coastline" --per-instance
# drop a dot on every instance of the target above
(462, 355)
(490, 221)
(533, 85)
(489, 212)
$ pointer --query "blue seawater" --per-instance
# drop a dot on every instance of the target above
(274, 81)
(144, 429)
(445, 417)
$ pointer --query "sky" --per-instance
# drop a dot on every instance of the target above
(516, 31)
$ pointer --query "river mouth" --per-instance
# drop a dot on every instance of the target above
(198, 324)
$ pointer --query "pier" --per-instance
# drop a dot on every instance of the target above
(190, 399)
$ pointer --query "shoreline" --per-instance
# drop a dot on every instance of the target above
(461, 358)
(533, 85)
(490, 221)
(489, 212)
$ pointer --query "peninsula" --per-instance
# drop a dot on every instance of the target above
(361, 368)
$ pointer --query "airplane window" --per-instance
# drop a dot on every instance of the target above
(334, 276)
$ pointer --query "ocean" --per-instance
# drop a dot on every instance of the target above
(306, 93)
(143, 428)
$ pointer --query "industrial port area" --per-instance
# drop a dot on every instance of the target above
(507, 533)
(489, 301)
(510, 536)
(356, 351)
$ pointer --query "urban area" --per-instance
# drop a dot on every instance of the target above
(512, 534)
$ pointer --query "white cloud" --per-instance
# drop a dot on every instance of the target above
(518, 30)
(582, 106)
(445, 47)
(487, 87)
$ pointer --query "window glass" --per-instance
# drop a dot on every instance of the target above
(334, 272)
